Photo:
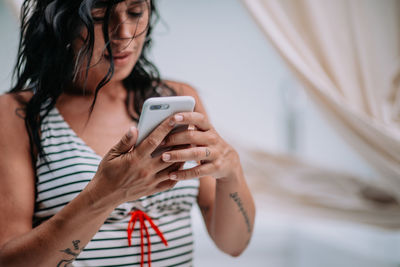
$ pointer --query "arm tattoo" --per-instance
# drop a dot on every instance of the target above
(71, 254)
(236, 198)
(20, 113)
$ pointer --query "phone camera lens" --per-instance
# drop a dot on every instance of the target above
(153, 107)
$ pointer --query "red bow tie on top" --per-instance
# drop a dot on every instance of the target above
(142, 216)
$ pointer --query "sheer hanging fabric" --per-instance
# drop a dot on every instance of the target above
(347, 54)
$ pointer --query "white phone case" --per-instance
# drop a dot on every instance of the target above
(156, 109)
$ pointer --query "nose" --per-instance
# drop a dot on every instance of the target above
(121, 30)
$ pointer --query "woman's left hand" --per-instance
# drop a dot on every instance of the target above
(217, 158)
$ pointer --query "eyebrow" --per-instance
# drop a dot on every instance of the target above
(134, 2)
(105, 3)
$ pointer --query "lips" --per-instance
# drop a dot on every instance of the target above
(119, 58)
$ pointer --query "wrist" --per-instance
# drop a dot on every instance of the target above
(99, 199)
(234, 172)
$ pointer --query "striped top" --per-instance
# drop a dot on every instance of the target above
(72, 164)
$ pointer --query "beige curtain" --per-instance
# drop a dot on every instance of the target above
(347, 54)
(288, 185)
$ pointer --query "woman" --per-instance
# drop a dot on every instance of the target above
(72, 190)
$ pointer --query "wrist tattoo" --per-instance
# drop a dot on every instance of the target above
(71, 254)
(238, 201)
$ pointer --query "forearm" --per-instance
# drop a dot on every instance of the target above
(61, 238)
(232, 217)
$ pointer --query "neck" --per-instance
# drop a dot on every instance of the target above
(112, 90)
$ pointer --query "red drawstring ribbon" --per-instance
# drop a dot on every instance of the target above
(142, 216)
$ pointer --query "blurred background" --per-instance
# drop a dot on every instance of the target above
(256, 102)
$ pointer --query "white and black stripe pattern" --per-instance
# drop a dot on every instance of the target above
(71, 165)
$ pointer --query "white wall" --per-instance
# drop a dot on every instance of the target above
(214, 46)
(217, 47)
(9, 44)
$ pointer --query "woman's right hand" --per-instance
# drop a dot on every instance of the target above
(127, 173)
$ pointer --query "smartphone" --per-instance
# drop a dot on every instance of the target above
(156, 109)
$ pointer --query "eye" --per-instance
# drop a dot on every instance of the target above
(98, 14)
(135, 12)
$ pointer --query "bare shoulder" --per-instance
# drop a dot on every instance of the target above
(14, 139)
(14, 100)
(181, 88)
(12, 115)
(17, 183)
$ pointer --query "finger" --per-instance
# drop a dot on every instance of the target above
(190, 137)
(195, 172)
(124, 145)
(164, 185)
(157, 164)
(164, 174)
(195, 118)
(155, 138)
(193, 153)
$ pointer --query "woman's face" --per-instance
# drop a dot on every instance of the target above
(128, 23)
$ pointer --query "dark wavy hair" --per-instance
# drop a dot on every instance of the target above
(47, 66)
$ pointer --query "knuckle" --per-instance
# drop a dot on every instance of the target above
(191, 135)
(129, 157)
(213, 139)
(133, 157)
(124, 141)
(171, 139)
(202, 118)
(143, 173)
(194, 152)
(152, 141)
(227, 151)
(169, 123)
(217, 165)
(149, 181)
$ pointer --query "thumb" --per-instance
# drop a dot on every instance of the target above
(125, 144)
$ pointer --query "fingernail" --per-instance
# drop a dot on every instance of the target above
(178, 117)
(166, 157)
(173, 177)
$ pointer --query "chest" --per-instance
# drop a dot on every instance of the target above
(101, 129)
(71, 164)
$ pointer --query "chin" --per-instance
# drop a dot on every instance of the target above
(121, 74)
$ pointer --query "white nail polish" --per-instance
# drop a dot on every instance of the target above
(178, 117)
(166, 157)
